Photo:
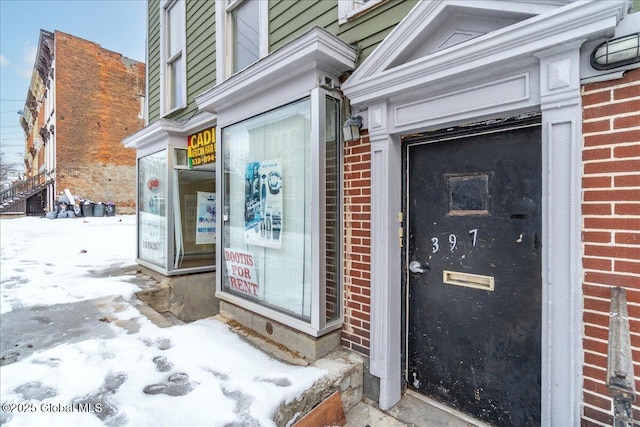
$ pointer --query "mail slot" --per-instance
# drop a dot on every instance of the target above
(468, 280)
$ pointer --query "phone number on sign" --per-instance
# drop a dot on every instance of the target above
(52, 407)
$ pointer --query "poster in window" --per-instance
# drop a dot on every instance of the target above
(263, 204)
(206, 218)
(151, 216)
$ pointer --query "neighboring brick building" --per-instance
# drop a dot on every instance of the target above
(611, 226)
(82, 101)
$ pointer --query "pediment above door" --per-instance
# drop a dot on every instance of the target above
(433, 26)
(441, 38)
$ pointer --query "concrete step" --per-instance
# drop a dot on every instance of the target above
(413, 410)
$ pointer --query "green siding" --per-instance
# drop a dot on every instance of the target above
(289, 19)
(153, 61)
(201, 55)
(368, 30)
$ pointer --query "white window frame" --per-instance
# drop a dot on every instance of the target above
(349, 8)
(165, 66)
(224, 49)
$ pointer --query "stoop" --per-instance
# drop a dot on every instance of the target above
(344, 377)
(188, 297)
(345, 369)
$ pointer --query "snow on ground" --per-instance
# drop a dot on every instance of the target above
(197, 374)
(46, 261)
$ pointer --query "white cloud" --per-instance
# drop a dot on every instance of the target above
(27, 60)
(4, 61)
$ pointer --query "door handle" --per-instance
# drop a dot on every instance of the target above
(416, 267)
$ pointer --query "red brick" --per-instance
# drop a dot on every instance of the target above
(613, 109)
(596, 415)
(626, 121)
(596, 154)
(628, 208)
(596, 332)
(627, 181)
(597, 126)
(612, 137)
(596, 373)
(596, 182)
(632, 91)
(626, 151)
(593, 304)
(597, 400)
(595, 359)
(97, 105)
(360, 315)
(612, 223)
(597, 264)
(612, 279)
(627, 267)
(362, 299)
(352, 304)
(600, 293)
(351, 338)
(596, 209)
(596, 98)
(597, 318)
(633, 296)
(361, 149)
(612, 166)
(596, 387)
(612, 251)
(611, 195)
(628, 238)
(596, 237)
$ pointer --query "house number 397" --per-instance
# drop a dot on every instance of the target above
(453, 241)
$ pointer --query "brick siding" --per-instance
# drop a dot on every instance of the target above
(357, 245)
(611, 229)
(98, 103)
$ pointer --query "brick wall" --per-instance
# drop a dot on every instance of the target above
(611, 229)
(98, 95)
(357, 243)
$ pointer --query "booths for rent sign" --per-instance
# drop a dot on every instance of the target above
(241, 271)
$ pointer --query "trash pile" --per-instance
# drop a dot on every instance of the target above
(68, 206)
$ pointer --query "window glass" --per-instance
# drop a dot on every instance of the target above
(175, 28)
(246, 39)
(175, 83)
(172, 56)
(195, 232)
(267, 209)
(152, 218)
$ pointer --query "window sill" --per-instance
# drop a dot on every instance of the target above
(166, 114)
(353, 14)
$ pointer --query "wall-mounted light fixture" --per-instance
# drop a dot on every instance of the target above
(351, 128)
(616, 52)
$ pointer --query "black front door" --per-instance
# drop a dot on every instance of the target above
(473, 208)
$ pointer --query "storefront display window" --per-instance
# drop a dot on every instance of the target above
(267, 209)
(152, 217)
(281, 204)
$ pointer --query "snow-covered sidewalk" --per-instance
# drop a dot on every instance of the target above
(135, 374)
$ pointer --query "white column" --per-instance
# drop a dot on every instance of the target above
(561, 258)
(386, 179)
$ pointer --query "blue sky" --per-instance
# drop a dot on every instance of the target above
(117, 25)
